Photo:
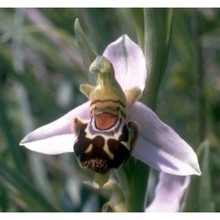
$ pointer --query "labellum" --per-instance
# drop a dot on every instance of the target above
(106, 141)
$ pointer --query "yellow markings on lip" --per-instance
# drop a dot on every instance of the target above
(127, 145)
(108, 152)
(89, 149)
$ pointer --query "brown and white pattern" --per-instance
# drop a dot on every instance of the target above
(107, 140)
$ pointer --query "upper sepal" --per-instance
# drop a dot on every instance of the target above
(128, 62)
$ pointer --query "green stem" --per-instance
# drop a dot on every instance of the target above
(157, 33)
(136, 200)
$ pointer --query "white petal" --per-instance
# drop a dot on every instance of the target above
(160, 146)
(57, 136)
(169, 193)
(52, 145)
(129, 63)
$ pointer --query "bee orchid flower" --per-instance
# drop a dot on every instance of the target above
(112, 125)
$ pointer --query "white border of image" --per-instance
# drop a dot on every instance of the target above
(110, 3)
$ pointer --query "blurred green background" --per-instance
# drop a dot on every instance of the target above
(41, 69)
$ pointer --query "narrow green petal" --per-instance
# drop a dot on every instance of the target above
(88, 54)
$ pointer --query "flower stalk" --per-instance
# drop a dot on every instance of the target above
(157, 33)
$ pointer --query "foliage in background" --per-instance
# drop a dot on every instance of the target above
(40, 72)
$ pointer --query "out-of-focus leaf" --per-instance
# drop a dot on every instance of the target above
(22, 188)
(182, 40)
(138, 14)
(157, 33)
(4, 202)
(199, 196)
(6, 125)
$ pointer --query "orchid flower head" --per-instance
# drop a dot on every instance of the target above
(113, 124)
(107, 139)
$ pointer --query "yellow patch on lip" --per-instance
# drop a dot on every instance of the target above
(104, 121)
(108, 152)
(89, 149)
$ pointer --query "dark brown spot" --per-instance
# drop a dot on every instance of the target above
(121, 153)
